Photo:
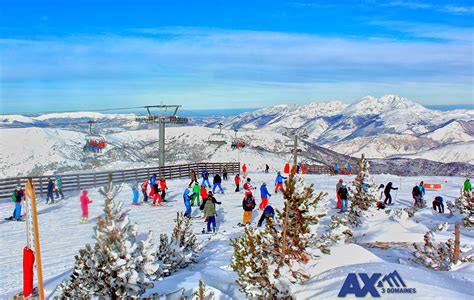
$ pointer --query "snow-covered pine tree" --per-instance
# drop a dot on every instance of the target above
(250, 261)
(202, 293)
(118, 265)
(272, 259)
(465, 204)
(181, 250)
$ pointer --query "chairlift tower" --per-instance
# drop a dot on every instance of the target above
(294, 145)
(166, 115)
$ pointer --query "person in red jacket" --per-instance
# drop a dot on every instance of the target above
(248, 187)
(144, 186)
(155, 193)
(163, 188)
(237, 183)
(244, 170)
(85, 206)
(203, 192)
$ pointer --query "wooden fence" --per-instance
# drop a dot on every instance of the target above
(80, 181)
(317, 169)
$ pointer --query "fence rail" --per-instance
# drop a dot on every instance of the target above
(317, 169)
(79, 181)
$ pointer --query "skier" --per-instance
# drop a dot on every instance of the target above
(467, 186)
(336, 169)
(187, 201)
(59, 187)
(244, 170)
(192, 176)
(421, 186)
(17, 196)
(248, 187)
(85, 206)
(209, 207)
(205, 178)
(155, 193)
(388, 196)
(338, 185)
(49, 191)
(163, 188)
(144, 187)
(237, 182)
(279, 183)
(269, 212)
(417, 196)
(217, 183)
(267, 168)
(248, 204)
(224, 173)
(343, 194)
(203, 193)
(195, 197)
(265, 195)
(349, 169)
(153, 180)
(381, 188)
(135, 193)
(438, 204)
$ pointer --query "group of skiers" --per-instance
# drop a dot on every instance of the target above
(153, 188)
(336, 170)
(94, 146)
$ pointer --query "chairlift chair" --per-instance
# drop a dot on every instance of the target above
(237, 143)
(218, 138)
(95, 143)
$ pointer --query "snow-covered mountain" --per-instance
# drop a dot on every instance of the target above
(379, 127)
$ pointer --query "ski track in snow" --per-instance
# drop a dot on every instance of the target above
(62, 236)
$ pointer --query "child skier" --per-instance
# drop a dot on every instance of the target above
(269, 212)
(217, 183)
(135, 193)
(338, 186)
(163, 188)
(381, 188)
(244, 170)
(17, 196)
(144, 187)
(279, 182)
(196, 192)
(248, 204)
(248, 187)
(209, 207)
(187, 201)
(205, 178)
(203, 193)
(343, 194)
(237, 183)
(265, 195)
(85, 206)
(155, 193)
(58, 187)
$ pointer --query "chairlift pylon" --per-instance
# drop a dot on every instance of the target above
(218, 138)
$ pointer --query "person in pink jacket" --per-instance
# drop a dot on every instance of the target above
(85, 206)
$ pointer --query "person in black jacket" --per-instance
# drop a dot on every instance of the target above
(344, 195)
(417, 196)
(217, 183)
(248, 204)
(49, 191)
(388, 197)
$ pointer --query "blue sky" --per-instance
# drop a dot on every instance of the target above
(56, 55)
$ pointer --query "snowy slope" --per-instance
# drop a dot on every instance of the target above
(462, 152)
(62, 237)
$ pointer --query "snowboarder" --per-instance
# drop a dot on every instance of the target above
(49, 191)
(85, 206)
(267, 168)
(467, 186)
(58, 187)
(279, 183)
(195, 197)
(17, 197)
(205, 178)
(187, 201)
(343, 194)
(438, 204)
(388, 196)
(144, 187)
(224, 173)
(135, 193)
(163, 188)
(217, 183)
(156, 194)
(237, 182)
(269, 212)
(417, 197)
(265, 195)
(338, 185)
(248, 204)
(209, 207)
(244, 170)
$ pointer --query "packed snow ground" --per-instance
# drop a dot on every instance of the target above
(62, 236)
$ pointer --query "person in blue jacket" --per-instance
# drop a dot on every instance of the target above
(153, 180)
(49, 191)
(421, 186)
(135, 193)
(264, 194)
(187, 195)
(336, 169)
(438, 204)
(279, 182)
(269, 212)
(205, 178)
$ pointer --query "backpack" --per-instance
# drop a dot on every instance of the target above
(249, 202)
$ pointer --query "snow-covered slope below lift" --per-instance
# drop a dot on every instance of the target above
(452, 132)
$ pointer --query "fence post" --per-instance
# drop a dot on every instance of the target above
(78, 182)
(41, 186)
(456, 243)
(95, 179)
